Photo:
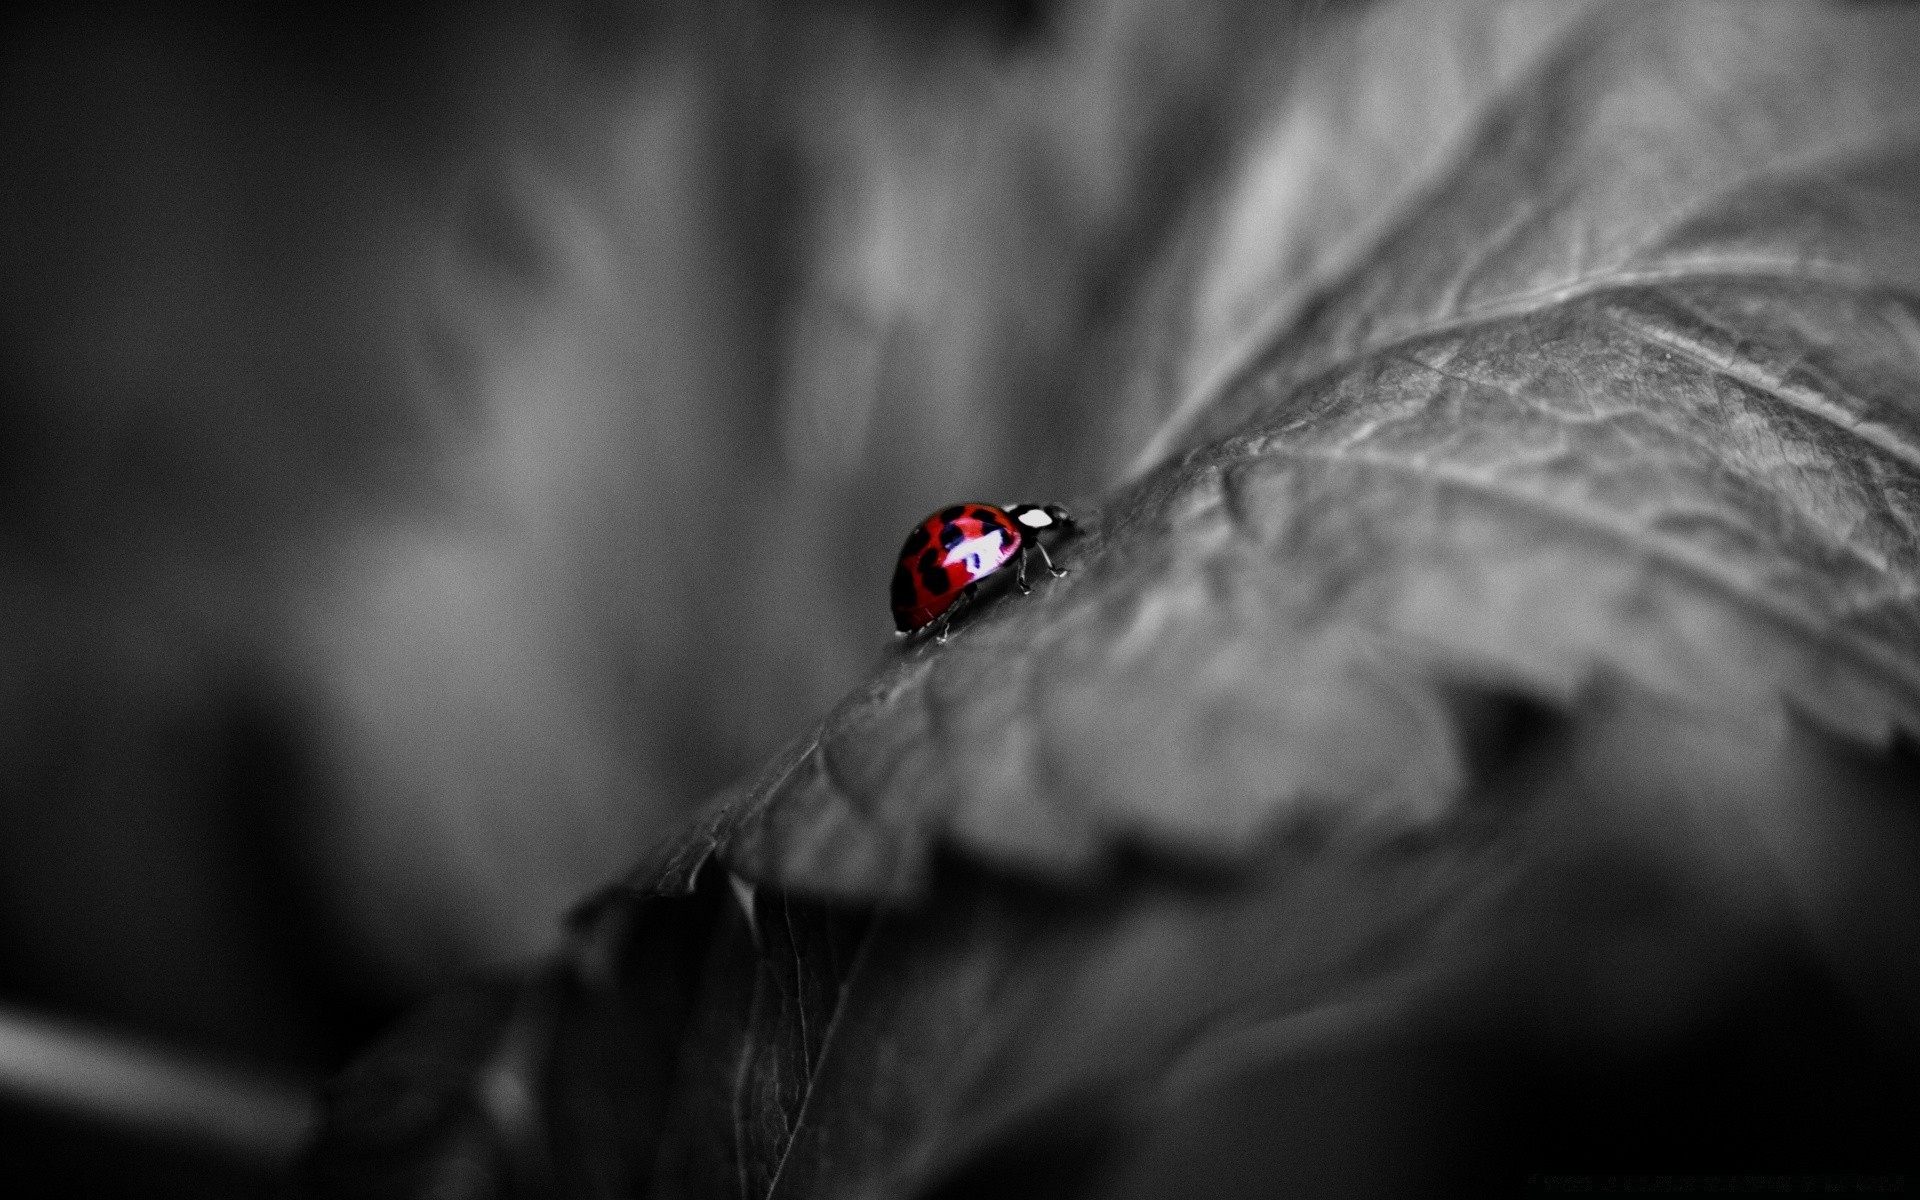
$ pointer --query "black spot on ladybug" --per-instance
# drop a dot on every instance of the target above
(951, 535)
(901, 593)
(954, 513)
(933, 576)
(916, 541)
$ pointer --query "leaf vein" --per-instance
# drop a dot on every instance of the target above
(826, 1045)
(1889, 669)
(1804, 400)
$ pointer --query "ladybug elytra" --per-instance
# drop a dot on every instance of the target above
(947, 555)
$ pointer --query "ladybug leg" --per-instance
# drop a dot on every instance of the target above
(1052, 570)
(1020, 572)
(953, 610)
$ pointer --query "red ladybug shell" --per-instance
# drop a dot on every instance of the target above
(945, 553)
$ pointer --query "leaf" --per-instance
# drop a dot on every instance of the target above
(1357, 1017)
(1475, 740)
(1624, 407)
(1630, 394)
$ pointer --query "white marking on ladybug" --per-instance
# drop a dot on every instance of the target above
(981, 554)
(1035, 518)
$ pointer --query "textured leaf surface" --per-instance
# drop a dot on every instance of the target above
(1634, 391)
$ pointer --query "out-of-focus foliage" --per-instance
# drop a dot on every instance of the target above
(443, 443)
(1476, 740)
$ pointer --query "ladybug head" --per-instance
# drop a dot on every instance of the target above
(1042, 517)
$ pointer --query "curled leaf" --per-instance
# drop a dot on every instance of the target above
(1631, 394)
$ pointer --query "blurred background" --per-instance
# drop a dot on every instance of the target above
(440, 444)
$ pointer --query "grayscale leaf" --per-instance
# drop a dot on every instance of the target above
(1482, 715)
(1634, 392)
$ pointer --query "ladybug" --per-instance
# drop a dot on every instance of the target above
(947, 555)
